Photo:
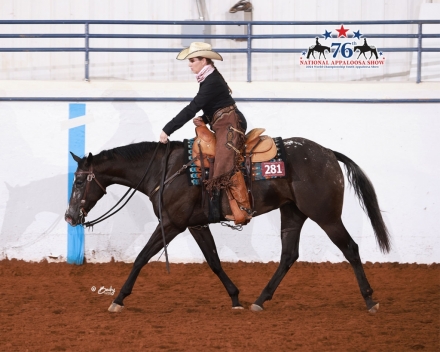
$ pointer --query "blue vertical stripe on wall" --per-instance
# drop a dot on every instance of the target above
(75, 235)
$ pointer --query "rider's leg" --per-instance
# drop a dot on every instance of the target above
(228, 128)
(239, 200)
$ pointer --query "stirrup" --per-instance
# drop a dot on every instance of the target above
(234, 227)
(246, 221)
(247, 210)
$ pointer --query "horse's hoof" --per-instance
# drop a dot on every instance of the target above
(238, 307)
(374, 309)
(256, 308)
(115, 308)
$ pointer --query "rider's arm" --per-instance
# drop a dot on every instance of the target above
(208, 91)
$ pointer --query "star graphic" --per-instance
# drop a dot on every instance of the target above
(327, 34)
(303, 53)
(357, 34)
(342, 31)
(380, 53)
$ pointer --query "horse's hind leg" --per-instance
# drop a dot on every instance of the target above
(292, 221)
(342, 239)
(204, 239)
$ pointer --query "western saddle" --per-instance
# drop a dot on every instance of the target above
(258, 147)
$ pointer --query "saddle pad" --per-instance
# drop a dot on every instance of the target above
(259, 168)
(194, 172)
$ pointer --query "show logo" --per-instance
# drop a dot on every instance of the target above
(343, 50)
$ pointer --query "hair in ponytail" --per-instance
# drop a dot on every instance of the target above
(210, 62)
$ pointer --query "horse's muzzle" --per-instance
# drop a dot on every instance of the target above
(73, 220)
(69, 220)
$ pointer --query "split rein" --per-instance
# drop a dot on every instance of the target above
(91, 176)
(163, 182)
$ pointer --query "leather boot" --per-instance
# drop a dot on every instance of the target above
(238, 200)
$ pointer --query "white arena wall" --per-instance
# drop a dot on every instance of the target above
(395, 144)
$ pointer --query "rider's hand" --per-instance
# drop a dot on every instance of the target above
(198, 121)
(163, 138)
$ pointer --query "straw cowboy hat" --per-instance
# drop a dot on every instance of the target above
(197, 49)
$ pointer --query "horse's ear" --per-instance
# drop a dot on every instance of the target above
(89, 159)
(76, 158)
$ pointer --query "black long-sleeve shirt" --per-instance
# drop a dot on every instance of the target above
(213, 94)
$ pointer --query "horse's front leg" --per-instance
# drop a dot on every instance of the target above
(204, 239)
(153, 246)
(292, 221)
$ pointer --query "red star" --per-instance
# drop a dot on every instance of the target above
(342, 32)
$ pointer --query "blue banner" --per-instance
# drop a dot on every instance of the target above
(75, 235)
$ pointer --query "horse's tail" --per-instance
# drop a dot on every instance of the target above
(367, 197)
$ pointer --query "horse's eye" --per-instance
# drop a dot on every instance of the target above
(79, 182)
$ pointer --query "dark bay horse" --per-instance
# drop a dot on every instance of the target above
(313, 188)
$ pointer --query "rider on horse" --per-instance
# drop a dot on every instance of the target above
(228, 123)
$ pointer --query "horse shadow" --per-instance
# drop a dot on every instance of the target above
(26, 202)
(40, 204)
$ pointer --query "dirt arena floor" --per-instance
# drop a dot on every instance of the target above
(318, 307)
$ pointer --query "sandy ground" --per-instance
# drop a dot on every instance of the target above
(318, 307)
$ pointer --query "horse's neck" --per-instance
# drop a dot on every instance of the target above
(126, 173)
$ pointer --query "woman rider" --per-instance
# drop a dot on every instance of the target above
(228, 123)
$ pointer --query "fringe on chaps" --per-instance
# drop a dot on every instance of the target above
(230, 143)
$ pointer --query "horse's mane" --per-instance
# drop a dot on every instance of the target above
(131, 152)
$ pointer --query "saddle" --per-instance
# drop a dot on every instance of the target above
(258, 148)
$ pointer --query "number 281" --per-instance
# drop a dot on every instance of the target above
(273, 169)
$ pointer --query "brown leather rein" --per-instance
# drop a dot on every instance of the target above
(91, 176)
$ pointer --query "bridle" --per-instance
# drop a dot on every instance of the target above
(90, 177)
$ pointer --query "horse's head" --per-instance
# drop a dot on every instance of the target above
(86, 191)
